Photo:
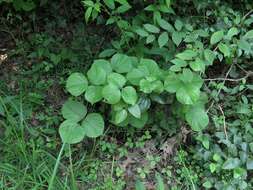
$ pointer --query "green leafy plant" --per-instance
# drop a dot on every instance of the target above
(121, 81)
(71, 131)
(24, 5)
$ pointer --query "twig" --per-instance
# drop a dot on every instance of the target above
(218, 93)
(240, 67)
(247, 14)
(224, 122)
(249, 74)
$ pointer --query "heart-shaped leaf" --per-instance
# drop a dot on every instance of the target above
(96, 75)
(139, 122)
(111, 93)
(121, 63)
(216, 37)
(116, 79)
(93, 125)
(73, 110)
(129, 95)
(71, 132)
(120, 116)
(197, 118)
(76, 84)
(93, 94)
(135, 111)
(163, 39)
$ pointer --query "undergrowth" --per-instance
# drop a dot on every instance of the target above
(117, 94)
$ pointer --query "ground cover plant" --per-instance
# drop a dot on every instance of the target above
(117, 94)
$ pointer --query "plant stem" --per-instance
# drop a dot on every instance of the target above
(71, 170)
(50, 186)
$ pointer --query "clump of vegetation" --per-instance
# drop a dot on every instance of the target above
(117, 94)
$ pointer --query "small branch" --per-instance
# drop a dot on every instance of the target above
(249, 74)
(240, 67)
(224, 122)
(247, 14)
(218, 93)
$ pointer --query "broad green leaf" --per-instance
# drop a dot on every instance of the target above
(168, 2)
(178, 25)
(238, 172)
(150, 38)
(198, 65)
(139, 122)
(177, 38)
(124, 123)
(121, 63)
(163, 39)
(244, 45)
(107, 53)
(150, 8)
(188, 94)
(151, 28)
(76, 84)
(116, 79)
(212, 167)
(110, 3)
(88, 3)
(172, 83)
(71, 132)
(179, 62)
(144, 104)
(207, 184)
(135, 76)
(197, 118)
(129, 95)
(165, 25)
(231, 163)
(157, 86)
(88, 14)
(93, 125)
(111, 21)
(187, 55)
(248, 35)
(151, 66)
(249, 164)
(93, 94)
(146, 86)
(216, 37)
(187, 88)
(189, 27)
(120, 116)
(224, 49)
(96, 75)
(159, 182)
(104, 64)
(232, 32)
(73, 110)
(122, 2)
(201, 33)
(175, 68)
(142, 32)
(209, 56)
(186, 76)
(135, 110)
(123, 8)
(111, 93)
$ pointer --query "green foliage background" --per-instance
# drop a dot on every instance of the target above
(148, 93)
